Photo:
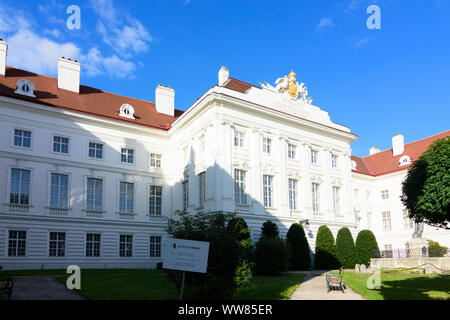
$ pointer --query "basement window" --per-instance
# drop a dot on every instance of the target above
(25, 88)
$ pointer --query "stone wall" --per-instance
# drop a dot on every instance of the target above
(431, 265)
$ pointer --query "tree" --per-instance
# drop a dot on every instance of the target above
(436, 250)
(300, 258)
(426, 188)
(270, 230)
(365, 244)
(345, 248)
(325, 252)
(228, 271)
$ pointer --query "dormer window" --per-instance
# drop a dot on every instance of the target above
(25, 88)
(404, 160)
(127, 111)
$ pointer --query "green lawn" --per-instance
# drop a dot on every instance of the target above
(401, 286)
(154, 285)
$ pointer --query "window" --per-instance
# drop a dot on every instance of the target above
(95, 150)
(127, 155)
(155, 201)
(126, 197)
(407, 222)
(239, 139)
(291, 151)
(369, 220)
(93, 245)
(267, 144)
(22, 138)
(386, 220)
(201, 188)
(314, 156)
(155, 246)
(59, 191)
(336, 200)
(240, 197)
(367, 195)
(388, 251)
(25, 87)
(17, 243)
(94, 195)
(292, 189)
(315, 197)
(126, 246)
(334, 161)
(185, 195)
(385, 194)
(20, 187)
(127, 111)
(60, 144)
(404, 160)
(155, 160)
(268, 190)
(57, 244)
(356, 194)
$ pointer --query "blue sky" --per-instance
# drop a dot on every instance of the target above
(377, 82)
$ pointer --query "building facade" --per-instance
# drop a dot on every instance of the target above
(91, 178)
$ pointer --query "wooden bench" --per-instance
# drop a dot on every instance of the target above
(335, 282)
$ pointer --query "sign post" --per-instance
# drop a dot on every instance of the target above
(185, 255)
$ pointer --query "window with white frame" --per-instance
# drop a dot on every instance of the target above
(385, 194)
(240, 197)
(238, 139)
(369, 220)
(334, 161)
(57, 244)
(20, 187)
(95, 150)
(386, 220)
(314, 156)
(408, 223)
(185, 195)
(155, 200)
(126, 245)
(292, 190)
(155, 246)
(93, 244)
(155, 160)
(22, 138)
(127, 155)
(60, 144)
(126, 197)
(94, 194)
(388, 251)
(201, 188)
(268, 191)
(59, 191)
(315, 197)
(336, 200)
(267, 145)
(17, 243)
(291, 151)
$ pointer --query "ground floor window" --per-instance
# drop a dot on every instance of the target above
(126, 246)
(93, 245)
(17, 243)
(57, 244)
(155, 246)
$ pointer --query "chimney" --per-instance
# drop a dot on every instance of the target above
(69, 75)
(224, 74)
(398, 144)
(165, 100)
(3, 52)
(374, 150)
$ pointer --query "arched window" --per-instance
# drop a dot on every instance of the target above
(126, 111)
(25, 87)
(404, 160)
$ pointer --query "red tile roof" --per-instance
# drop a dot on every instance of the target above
(237, 85)
(91, 101)
(384, 162)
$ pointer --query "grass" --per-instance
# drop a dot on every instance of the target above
(401, 286)
(154, 285)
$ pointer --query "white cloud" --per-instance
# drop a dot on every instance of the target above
(52, 32)
(12, 19)
(95, 64)
(325, 22)
(362, 42)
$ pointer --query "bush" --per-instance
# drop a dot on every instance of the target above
(270, 230)
(300, 258)
(325, 252)
(435, 249)
(239, 228)
(227, 272)
(272, 256)
(365, 244)
(345, 248)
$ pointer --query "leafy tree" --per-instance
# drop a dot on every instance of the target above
(300, 259)
(365, 244)
(325, 252)
(270, 230)
(426, 188)
(345, 248)
(435, 249)
(227, 272)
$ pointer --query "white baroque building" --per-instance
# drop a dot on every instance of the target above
(90, 177)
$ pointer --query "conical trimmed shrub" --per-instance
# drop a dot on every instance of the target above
(325, 252)
(270, 230)
(300, 258)
(345, 248)
(365, 244)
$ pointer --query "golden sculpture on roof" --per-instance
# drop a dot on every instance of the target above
(293, 85)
